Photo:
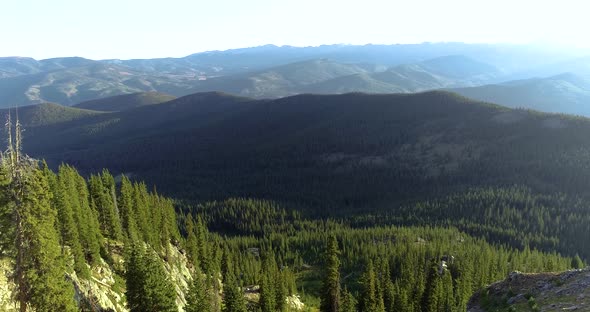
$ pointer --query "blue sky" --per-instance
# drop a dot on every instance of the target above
(174, 28)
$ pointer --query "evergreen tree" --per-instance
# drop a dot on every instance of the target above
(330, 295)
(39, 272)
(203, 247)
(577, 262)
(433, 295)
(103, 200)
(369, 300)
(198, 298)
(67, 216)
(447, 304)
(281, 290)
(90, 236)
(125, 205)
(148, 285)
(191, 244)
(226, 263)
(389, 297)
(267, 294)
(349, 303)
(233, 298)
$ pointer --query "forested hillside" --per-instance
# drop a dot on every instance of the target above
(125, 102)
(61, 233)
(511, 176)
(106, 243)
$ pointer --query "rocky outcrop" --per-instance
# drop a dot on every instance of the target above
(105, 290)
(6, 302)
(565, 291)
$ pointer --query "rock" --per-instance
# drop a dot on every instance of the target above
(294, 302)
(514, 275)
(515, 299)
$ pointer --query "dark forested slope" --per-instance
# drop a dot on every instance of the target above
(362, 149)
(388, 158)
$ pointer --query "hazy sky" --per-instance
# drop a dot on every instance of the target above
(125, 29)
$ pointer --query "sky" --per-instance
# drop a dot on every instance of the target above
(125, 29)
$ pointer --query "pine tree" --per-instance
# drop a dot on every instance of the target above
(389, 297)
(191, 244)
(402, 300)
(267, 294)
(233, 298)
(142, 212)
(349, 303)
(577, 262)
(205, 253)
(281, 290)
(370, 299)
(447, 303)
(198, 298)
(103, 200)
(330, 295)
(125, 205)
(148, 285)
(39, 272)
(67, 216)
(90, 236)
(433, 295)
(226, 263)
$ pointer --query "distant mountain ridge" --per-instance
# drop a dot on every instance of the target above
(565, 93)
(329, 77)
(271, 72)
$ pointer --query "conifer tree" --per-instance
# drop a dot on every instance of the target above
(6, 210)
(125, 205)
(142, 212)
(281, 290)
(90, 236)
(433, 295)
(233, 298)
(226, 263)
(370, 299)
(148, 285)
(577, 262)
(389, 297)
(330, 295)
(268, 283)
(103, 200)
(349, 303)
(191, 244)
(402, 300)
(39, 270)
(205, 254)
(66, 217)
(198, 298)
(447, 304)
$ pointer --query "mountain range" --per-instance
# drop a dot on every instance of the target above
(477, 71)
